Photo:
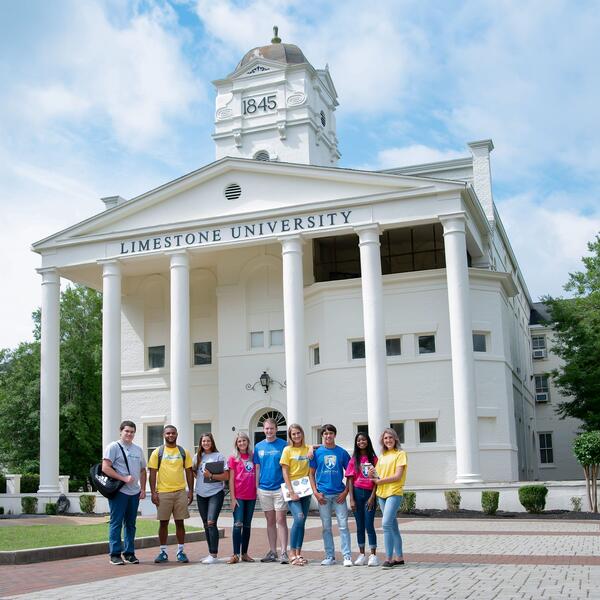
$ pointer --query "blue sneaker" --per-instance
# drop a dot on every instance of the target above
(182, 558)
(162, 557)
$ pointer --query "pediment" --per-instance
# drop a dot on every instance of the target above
(205, 196)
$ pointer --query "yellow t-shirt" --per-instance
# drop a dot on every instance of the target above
(171, 475)
(387, 465)
(296, 460)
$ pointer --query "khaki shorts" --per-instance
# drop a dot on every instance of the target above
(172, 503)
(271, 500)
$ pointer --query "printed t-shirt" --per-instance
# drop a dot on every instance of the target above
(329, 465)
(296, 460)
(244, 476)
(387, 466)
(171, 475)
(136, 460)
(204, 487)
(359, 480)
(268, 455)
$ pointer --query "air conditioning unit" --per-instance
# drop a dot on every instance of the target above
(539, 353)
(543, 397)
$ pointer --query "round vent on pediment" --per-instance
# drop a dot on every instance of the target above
(323, 120)
(233, 191)
(262, 155)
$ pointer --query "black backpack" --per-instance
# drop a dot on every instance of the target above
(102, 483)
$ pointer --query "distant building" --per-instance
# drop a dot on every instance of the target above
(273, 282)
(554, 436)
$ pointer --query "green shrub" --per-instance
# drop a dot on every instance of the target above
(1, 510)
(489, 501)
(452, 500)
(29, 505)
(78, 485)
(30, 483)
(51, 508)
(87, 503)
(409, 501)
(2, 484)
(533, 497)
(576, 504)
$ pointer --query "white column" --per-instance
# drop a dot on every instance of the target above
(461, 338)
(180, 348)
(293, 315)
(49, 381)
(375, 356)
(111, 350)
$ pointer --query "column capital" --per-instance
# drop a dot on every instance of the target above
(49, 275)
(110, 267)
(368, 234)
(179, 258)
(291, 243)
(454, 222)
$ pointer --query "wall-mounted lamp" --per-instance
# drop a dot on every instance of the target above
(266, 381)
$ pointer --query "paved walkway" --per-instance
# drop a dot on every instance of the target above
(446, 559)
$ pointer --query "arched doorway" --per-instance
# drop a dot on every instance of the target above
(257, 429)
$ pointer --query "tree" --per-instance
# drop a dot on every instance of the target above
(586, 448)
(80, 390)
(576, 324)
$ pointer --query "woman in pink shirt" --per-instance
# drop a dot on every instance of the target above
(242, 488)
(362, 497)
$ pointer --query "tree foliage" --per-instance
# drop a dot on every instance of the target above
(80, 390)
(576, 324)
(586, 448)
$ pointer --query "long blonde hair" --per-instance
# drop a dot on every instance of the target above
(289, 434)
(240, 435)
(394, 434)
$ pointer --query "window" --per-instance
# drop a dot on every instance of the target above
(542, 390)
(479, 342)
(276, 337)
(199, 429)
(399, 429)
(392, 346)
(257, 339)
(203, 353)
(154, 438)
(538, 346)
(156, 357)
(546, 451)
(358, 349)
(427, 432)
(362, 428)
(315, 356)
(336, 257)
(426, 344)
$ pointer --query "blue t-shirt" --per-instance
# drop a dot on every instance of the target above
(267, 455)
(329, 465)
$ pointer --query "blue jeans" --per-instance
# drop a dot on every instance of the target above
(209, 509)
(365, 518)
(341, 515)
(299, 510)
(391, 533)
(123, 513)
(242, 522)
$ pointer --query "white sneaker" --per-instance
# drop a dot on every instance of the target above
(210, 560)
(360, 561)
(348, 562)
(327, 562)
(373, 561)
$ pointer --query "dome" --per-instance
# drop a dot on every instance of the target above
(288, 54)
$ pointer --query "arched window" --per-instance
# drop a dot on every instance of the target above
(279, 420)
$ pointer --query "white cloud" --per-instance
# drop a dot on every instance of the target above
(548, 242)
(414, 154)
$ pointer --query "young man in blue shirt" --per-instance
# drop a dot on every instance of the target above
(327, 468)
(269, 478)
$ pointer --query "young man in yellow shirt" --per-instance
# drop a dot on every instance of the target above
(173, 465)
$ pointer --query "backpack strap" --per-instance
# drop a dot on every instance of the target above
(125, 457)
(161, 451)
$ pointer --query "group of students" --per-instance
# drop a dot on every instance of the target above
(282, 476)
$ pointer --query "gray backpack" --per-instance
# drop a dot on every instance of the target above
(161, 451)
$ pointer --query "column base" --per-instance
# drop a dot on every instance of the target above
(50, 490)
(468, 478)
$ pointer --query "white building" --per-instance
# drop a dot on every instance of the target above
(555, 458)
(369, 298)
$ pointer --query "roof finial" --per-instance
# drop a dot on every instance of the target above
(276, 39)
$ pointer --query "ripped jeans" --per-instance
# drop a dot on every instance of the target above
(299, 510)
(242, 522)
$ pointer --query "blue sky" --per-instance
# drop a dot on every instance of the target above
(108, 97)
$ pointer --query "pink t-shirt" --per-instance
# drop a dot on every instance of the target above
(244, 476)
(360, 480)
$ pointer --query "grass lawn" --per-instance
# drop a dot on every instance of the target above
(21, 537)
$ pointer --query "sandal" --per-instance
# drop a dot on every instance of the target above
(246, 558)
(301, 560)
(233, 560)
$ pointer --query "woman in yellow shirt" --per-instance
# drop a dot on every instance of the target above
(389, 477)
(294, 465)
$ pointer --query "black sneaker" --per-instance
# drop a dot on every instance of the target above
(131, 559)
(116, 560)
(388, 564)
